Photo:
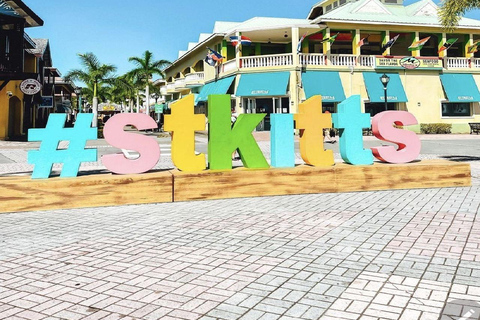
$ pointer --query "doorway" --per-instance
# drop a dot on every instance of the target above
(14, 118)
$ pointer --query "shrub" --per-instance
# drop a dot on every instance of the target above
(435, 128)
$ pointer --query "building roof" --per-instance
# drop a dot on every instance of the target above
(262, 23)
(421, 13)
(16, 8)
(40, 47)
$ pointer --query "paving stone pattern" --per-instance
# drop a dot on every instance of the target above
(371, 255)
(407, 254)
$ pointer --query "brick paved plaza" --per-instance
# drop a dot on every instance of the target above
(408, 254)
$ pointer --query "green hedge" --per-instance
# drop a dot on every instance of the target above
(435, 128)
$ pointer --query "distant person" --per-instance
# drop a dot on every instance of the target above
(329, 133)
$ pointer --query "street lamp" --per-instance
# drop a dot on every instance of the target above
(385, 79)
(155, 96)
(78, 92)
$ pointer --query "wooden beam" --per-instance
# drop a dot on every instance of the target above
(305, 179)
(26, 194)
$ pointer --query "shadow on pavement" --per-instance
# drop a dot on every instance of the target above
(461, 158)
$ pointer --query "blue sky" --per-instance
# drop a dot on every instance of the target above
(115, 30)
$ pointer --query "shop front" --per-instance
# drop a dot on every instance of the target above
(264, 93)
(327, 84)
(376, 92)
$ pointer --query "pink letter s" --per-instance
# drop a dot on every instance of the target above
(409, 144)
(146, 146)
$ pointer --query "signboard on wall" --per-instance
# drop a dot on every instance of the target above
(409, 63)
(30, 87)
(47, 102)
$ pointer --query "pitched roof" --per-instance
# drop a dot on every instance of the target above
(40, 47)
(262, 23)
(423, 12)
(16, 8)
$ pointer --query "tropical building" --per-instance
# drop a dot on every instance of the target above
(16, 65)
(341, 48)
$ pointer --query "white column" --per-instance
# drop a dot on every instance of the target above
(295, 38)
(147, 94)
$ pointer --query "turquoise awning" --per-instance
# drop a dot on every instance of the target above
(216, 87)
(263, 84)
(460, 87)
(324, 83)
(376, 93)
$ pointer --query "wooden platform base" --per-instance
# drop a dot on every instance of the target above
(25, 194)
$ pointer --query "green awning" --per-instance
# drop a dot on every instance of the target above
(216, 87)
(376, 93)
(263, 84)
(324, 83)
(460, 87)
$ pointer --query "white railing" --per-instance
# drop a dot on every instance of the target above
(342, 60)
(273, 60)
(313, 59)
(170, 86)
(163, 90)
(366, 61)
(475, 63)
(457, 63)
(230, 65)
(180, 83)
(194, 77)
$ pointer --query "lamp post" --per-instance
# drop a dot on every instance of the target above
(78, 92)
(156, 96)
(385, 79)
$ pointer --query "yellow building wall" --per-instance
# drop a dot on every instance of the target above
(14, 87)
(425, 95)
(30, 64)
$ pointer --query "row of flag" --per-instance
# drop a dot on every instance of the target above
(213, 57)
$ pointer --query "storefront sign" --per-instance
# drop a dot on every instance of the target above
(409, 63)
(223, 139)
(158, 108)
(47, 102)
(30, 87)
(259, 92)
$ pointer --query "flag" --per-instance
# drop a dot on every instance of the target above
(331, 39)
(390, 43)
(363, 41)
(447, 44)
(213, 57)
(299, 47)
(244, 41)
(473, 48)
(418, 45)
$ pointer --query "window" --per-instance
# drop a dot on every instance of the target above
(335, 4)
(328, 106)
(374, 108)
(343, 2)
(456, 109)
(328, 8)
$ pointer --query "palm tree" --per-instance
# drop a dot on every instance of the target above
(146, 67)
(94, 75)
(452, 11)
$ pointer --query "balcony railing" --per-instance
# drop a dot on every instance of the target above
(273, 60)
(163, 90)
(333, 61)
(313, 59)
(366, 61)
(457, 63)
(230, 65)
(180, 83)
(194, 79)
(346, 60)
(171, 87)
(338, 60)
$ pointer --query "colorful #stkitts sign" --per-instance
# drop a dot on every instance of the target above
(224, 140)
